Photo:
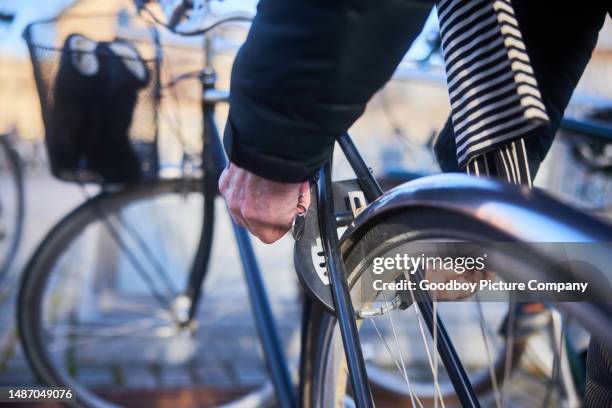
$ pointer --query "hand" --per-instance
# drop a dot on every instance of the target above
(264, 207)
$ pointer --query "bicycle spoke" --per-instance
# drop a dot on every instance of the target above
(109, 322)
(140, 269)
(509, 349)
(124, 329)
(424, 338)
(108, 328)
(493, 375)
(557, 360)
(68, 293)
(435, 347)
(131, 257)
(149, 254)
(397, 343)
(403, 373)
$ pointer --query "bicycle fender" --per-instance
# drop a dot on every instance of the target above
(521, 214)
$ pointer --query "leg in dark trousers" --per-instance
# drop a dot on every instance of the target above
(598, 392)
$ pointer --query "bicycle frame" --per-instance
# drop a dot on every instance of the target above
(214, 161)
(588, 128)
(342, 302)
(14, 162)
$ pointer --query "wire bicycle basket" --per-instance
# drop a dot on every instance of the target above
(99, 96)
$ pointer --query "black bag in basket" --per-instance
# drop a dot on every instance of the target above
(96, 90)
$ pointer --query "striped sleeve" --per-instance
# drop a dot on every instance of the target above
(493, 92)
(508, 162)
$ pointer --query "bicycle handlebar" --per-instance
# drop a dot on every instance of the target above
(6, 18)
(179, 12)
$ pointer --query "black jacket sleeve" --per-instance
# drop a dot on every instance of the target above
(305, 74)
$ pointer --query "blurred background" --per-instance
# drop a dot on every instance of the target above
(394, 135)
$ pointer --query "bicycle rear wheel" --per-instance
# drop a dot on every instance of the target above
(11, 205)
(398, 350)
(100, 308)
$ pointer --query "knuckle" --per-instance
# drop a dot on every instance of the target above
(253, 215)
(234, 207)
(265, 235)
(275, 235)
(265, 239)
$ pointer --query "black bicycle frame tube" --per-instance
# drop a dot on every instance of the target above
(266, 326)
(589, 128)
(340, 290)
(446, 350)
(211, 175)
(262, 312)
(371, 188)
(452, 363)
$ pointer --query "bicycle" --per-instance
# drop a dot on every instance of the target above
(12, 205)
(586, 143)
(586, 148)
(448, 208)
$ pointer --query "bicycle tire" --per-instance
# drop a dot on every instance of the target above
(36, 276)
(15, 164)
(323, 381)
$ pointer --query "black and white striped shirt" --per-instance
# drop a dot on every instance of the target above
(493, 91)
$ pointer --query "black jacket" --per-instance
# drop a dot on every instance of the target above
(309, 67)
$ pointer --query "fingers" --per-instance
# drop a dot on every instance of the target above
(231, 194)
(266, 233)
(266, 208)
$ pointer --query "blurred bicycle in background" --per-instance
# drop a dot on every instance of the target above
(12, 205)
(115, 304)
